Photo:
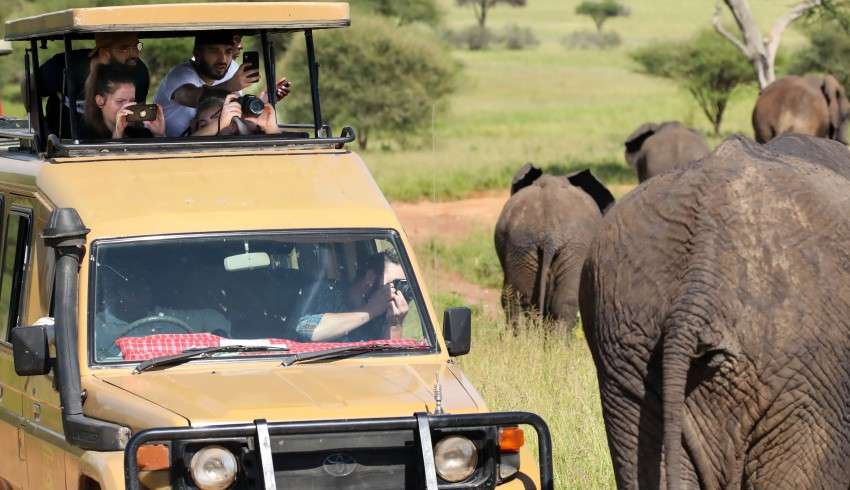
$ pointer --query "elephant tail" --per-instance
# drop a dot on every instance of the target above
(676, 358)
(546, 256)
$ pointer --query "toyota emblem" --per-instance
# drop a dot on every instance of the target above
(339, 465)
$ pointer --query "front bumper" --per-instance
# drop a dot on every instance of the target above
(274, 468)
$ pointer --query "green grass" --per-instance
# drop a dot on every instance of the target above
(554, 378)
(552, 105)
(474, 257)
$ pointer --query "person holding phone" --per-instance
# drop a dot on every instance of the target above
(111, 109)
(212, 69)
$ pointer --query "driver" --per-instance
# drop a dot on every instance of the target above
(129, 311)
(370, 308)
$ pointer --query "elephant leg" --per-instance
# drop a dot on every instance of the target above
(802, 442)
(519, 286)
(566, 276)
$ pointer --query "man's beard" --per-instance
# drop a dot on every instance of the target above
(132, 61)
(210, 71)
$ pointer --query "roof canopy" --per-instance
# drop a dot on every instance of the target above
(183, 17)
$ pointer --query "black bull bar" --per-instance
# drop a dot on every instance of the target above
(421, 423)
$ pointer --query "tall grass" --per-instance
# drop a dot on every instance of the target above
(552, 376)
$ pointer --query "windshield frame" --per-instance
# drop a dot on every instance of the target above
(430, 333)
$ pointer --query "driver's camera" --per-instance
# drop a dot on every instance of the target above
(402, 286)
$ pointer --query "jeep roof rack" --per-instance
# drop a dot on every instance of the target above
(168, 19)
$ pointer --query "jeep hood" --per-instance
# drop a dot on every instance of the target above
(209, 394)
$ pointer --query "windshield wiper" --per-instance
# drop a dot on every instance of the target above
(200, 353)
(343, 352)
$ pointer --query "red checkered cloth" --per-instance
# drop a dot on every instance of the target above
(143, 348)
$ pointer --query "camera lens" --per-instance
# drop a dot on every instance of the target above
(251, 105)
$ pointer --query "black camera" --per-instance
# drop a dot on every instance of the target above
(402, 286)
(251, 105)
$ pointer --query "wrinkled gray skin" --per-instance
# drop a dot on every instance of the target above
(716, 303)
(655, 148)
(541, 238)
(813, 105)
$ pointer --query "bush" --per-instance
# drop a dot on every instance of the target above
(381, 78)
(707, 66)
(591, 40)
(518, 38)
(476, 38)
(473, 38)
(828, 52)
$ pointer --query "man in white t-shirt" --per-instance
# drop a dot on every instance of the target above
(212, 65)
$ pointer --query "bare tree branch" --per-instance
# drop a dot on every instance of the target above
(718, 26)
(775, 35)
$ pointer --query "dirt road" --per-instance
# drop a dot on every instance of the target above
(449, 222)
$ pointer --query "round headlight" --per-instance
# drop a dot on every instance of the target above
(455, 458)
(213, 468)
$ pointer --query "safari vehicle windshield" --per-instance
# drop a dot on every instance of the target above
(293, 292)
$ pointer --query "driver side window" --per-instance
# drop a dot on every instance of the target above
(15, 260)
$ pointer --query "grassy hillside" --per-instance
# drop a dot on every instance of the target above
(553, 105)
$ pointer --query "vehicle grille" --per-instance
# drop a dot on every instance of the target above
(359, 460)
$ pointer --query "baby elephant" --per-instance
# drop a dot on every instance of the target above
(541, 239)
(654, 148)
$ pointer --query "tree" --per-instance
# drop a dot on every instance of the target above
(828, 52)
(759, 51)
(707, 67)
(405, 11)
(381, 78)
(602, 10)
(482, 7)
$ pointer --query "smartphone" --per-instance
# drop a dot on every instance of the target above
(251, 58)
(142, 112)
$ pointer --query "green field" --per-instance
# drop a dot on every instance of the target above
(552, 105)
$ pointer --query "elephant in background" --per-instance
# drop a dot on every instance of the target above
(655, 148)
(541, 238)
(813, 105)
(716, 306)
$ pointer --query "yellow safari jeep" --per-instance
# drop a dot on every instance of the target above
(224, 312)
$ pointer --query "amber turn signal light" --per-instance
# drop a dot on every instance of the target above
(511, 439)
(153, 457)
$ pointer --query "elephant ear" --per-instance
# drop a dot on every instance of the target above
(524, 177)
(833, 92)
(635, 140)
(585, 180)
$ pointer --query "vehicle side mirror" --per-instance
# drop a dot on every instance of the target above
(457, 330)
(31, 349)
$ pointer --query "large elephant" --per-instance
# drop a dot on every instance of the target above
(813, 105)
(654, 148)
(541, 238)
(715, 301)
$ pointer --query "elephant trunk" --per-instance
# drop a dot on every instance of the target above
(676, 360)
(543, 281)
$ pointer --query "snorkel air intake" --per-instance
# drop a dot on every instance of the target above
(66, 236)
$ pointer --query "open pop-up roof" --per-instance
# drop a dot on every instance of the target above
(184, 17)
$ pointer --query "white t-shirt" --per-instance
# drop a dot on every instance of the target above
(178, 117)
